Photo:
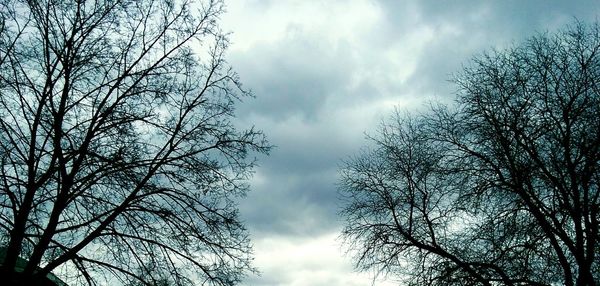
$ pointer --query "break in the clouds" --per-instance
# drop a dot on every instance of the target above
(324, 73)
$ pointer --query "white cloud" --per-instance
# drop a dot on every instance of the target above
(258, 22)
(316, 261)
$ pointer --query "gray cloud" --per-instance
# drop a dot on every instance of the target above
(296, 206)
(291, 78)
(465, 28)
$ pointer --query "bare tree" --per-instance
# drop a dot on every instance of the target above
(116, 144)
(501, 188)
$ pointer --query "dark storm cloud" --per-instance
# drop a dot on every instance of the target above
(300, 206)
(296, 193)
(293, 77)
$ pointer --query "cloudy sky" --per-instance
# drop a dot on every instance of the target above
(324, 73)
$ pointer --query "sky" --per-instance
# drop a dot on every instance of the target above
(325, 73)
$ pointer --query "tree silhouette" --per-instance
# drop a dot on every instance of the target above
(116, 146)
(500, 188)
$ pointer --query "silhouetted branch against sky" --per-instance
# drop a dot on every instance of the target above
(117, 147)
(500, 188)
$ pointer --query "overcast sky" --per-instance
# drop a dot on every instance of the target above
(324, 73)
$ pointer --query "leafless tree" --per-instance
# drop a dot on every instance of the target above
(500, 188)
(117, 149)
